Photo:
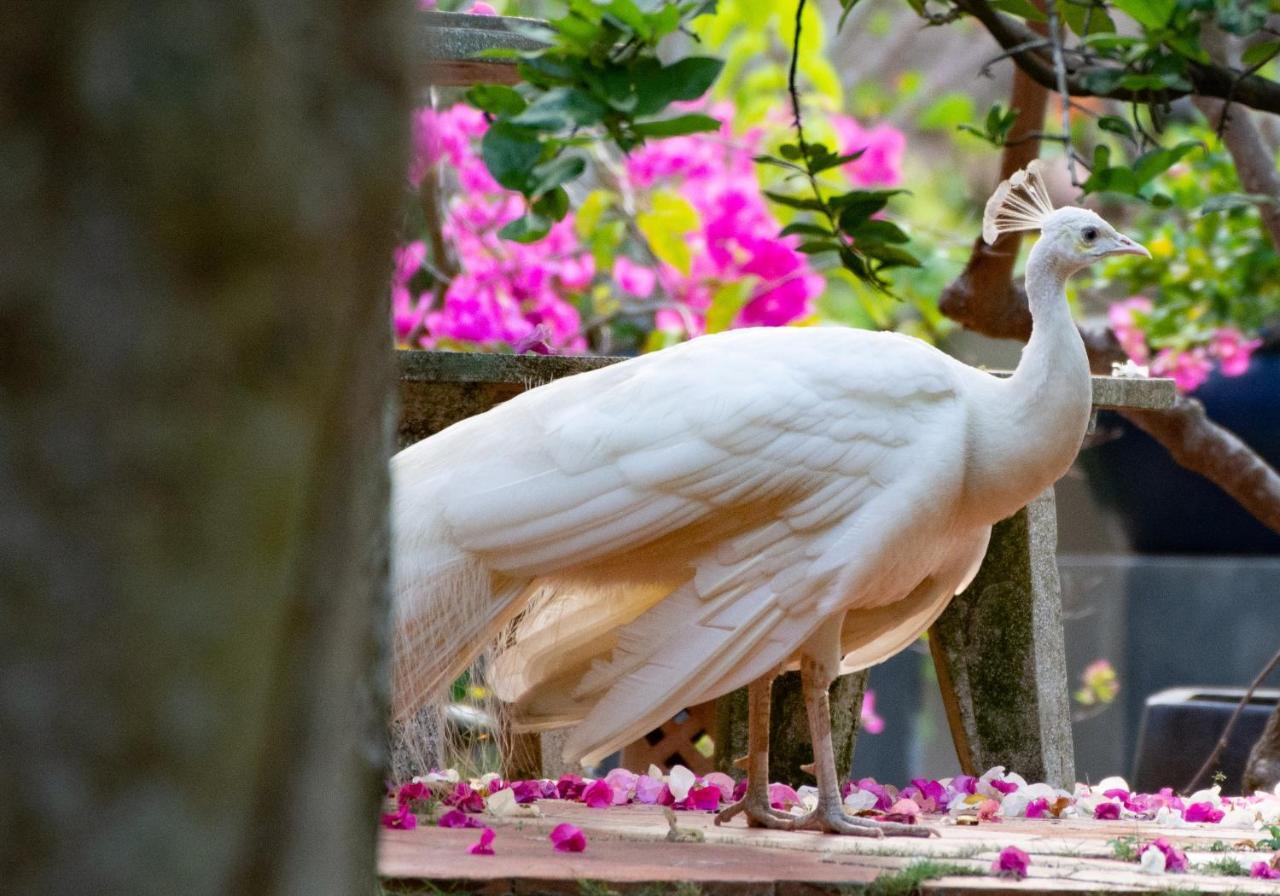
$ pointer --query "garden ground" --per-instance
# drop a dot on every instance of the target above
(628, 850)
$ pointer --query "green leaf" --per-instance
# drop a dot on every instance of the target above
(947, 112)
(875, 230)
(1259, 54)
(1086, 17)
(892, 256)
(802, 203)
(835, 161)
(687, 79)
(805, 229)
(526, 229)
(496, 99)
(1116, 125)
(1148, 13)
(1023, 9)
(1158, 161)
(553, 205)
(510, 152)
(555, 172)
(814, 247)
(726, 302)
(676, 127)
(590, 212)
(665, 227)
(560, 109)
(859, 205)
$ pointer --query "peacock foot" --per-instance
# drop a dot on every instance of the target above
(834, 820)
(759, 813)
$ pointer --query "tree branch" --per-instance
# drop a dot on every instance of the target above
(1206, 80)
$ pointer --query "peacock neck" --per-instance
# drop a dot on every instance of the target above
(1028, 428)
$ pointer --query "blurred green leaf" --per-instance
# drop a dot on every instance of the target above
(510, 152)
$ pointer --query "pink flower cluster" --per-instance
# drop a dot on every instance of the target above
(505, 292)
(524, 295)
(1189, 367)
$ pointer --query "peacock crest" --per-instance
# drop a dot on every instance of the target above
(1020, 203)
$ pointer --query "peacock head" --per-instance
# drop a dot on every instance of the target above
(1070, 238)
(1078, 237)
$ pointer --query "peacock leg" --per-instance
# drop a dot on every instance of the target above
(755, 803)
(817, 671)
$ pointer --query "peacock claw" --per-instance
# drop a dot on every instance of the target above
(759, 814)
(835, 821)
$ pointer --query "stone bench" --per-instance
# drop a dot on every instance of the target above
(998, 648)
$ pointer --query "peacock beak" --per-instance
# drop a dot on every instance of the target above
(1125, 246)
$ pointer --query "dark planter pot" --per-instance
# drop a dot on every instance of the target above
(1166, 509)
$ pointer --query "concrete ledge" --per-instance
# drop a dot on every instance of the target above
(451, 43)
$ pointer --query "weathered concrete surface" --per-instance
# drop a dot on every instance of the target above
(1001, 659)
(451, 43)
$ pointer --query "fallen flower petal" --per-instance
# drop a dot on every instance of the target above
(598, 794)
(722, 781)
(1106, 811)
(1265, 871)
(706, 799)
(401, 820)
(1038, 808)
(1011, 862)
(782, 797)
(455, 819)
(648, 789)
(567, 838)
(483, 847)
(1202, 812)
(1171, 858)
(680, 781)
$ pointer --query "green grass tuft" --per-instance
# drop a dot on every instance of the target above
(907, 882)
(1125, 849)
(1226, 866)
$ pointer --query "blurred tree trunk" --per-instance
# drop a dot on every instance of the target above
(198, 202)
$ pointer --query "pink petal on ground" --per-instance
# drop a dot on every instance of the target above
(705, 799)
(722, 781)
(401, 820)
(567, 838)
(598, 794)
(570, 787)
(1012, 862)
(988, 810)
(1174, 859)
(1202, 812)
(782, 797)
(1107, 811)
(1266, 870)
(1038, 808)
(455, 819)
(648, 790)
(484, 846)
(1005, 787)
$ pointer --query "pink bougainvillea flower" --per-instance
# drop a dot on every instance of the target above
(722, 781)
(705, 798)
(964, 784)
(884, 799)
(1005, 787)
(1175, 860)
(622, 784)
(1011, 862)
(782, 797)
(634, 278)
(567, 838)
(1106, 811)
(1189, 369)
(526, 791)
(1124, 320)
(883, 146)
(1202, 812)
(466, 798)
(401, 820)
(988, 810)
(570, 787)
(905, 811)
(649, 789)
(482, 9)
(1232, 350)
(1038, 808)
(867, 718)
(414, 790)
(483, 846)
(455, 819)
(1267, 870)
(598, 794)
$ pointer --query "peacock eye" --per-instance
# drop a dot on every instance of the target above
(1090, 234)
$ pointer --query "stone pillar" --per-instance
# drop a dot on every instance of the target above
(1000, 655)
